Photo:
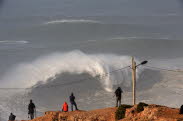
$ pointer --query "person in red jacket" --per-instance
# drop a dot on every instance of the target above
(65, 107)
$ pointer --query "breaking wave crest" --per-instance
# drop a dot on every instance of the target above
(26, 75)
(13, 42)
(72, 21)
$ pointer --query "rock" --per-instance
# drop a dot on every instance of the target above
(150, 113)
(153, 113)
(107, 114)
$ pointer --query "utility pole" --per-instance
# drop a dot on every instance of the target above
(134, 67)
(134, 80)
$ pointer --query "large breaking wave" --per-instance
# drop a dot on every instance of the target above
(62, 72)
(27, 75)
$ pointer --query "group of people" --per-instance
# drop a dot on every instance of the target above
(32, 108)
(31, 112)
(65, 107)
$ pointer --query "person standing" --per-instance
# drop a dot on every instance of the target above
(72, 101)
(181, 110)
(31, 109)
(12, 117)
(118, 94)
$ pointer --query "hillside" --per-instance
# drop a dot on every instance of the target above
(150, 113)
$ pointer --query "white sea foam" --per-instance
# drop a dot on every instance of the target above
(167, 86)
(13, 42)
(131, 37)
(124, 38)
(28, 74)
(72, 21)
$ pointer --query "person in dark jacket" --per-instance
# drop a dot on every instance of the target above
(31, 109)
(72, 101)
(12, 117)
(181, 110)
(118, 93)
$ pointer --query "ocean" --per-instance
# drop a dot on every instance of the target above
(50, 48)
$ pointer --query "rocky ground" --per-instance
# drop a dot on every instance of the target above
(150, 113)
(153, 113)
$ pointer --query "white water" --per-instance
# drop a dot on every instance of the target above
(28, 74)
(39, 71)
(13, 42)
(164, 90)
(72, 21)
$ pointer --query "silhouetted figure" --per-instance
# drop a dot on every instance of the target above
(72, 101)
(12, 117)
(181, 110)
(118, 93)
(65, 107)
(31, 109)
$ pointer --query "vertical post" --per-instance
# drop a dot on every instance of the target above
(134, 80)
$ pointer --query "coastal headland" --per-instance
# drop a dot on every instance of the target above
(150, 112)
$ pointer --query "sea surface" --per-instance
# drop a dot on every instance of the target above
(50, 48)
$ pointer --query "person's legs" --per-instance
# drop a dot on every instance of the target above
(32, 116)
(71, 107)
(119, 101)
(116, 101)
(75, 106)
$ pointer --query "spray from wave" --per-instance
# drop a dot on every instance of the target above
(51, 69)
(26, 75)
(67, 67)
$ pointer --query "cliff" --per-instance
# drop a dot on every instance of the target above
(149, 113)
(153, 113)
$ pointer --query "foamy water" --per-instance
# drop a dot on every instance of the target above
(72, 21)
(93, 77)
(40, 70)
(13, 42)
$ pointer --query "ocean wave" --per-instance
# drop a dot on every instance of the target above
(133, 37)
(72, 21)
(42, 69)
(13, 42)
(124, 38)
